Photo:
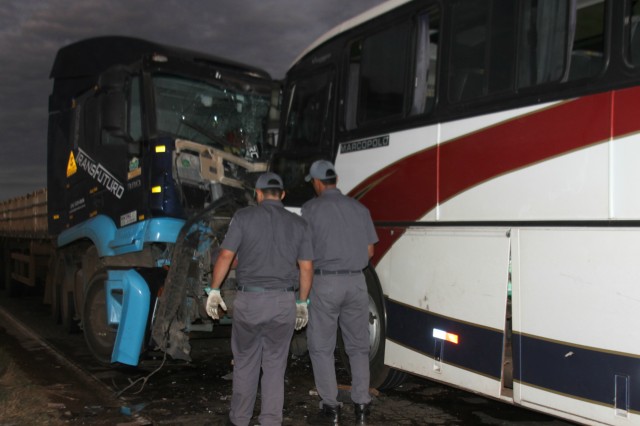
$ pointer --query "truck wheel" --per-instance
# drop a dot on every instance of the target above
(13, 288)
(63, 309)
(57, 283)
(98, 334)
(381, 376)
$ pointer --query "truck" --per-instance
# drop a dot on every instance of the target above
(150, 150)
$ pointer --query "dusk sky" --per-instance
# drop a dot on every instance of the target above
(266, 33)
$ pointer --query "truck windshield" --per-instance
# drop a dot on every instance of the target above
(227, 116)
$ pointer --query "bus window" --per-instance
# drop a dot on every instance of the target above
(309, 113)
(482, 49)
(377, 74)
(544, 40)
(634, 32)
(561, 35)
(427, 33)
(587, 53)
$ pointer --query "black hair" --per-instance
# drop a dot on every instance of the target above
(329, 181)
(331, 178)
(272, 192)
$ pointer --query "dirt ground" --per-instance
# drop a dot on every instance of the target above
(21, 401)
(37, 387)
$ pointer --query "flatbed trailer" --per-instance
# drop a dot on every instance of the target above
(25, 243)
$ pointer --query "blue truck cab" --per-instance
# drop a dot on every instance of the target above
(150, 150)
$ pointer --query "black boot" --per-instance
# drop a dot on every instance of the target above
(328, 415)
(362, 412)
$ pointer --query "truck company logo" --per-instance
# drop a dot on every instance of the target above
(99, 173)
(72, 167)
(361, 145)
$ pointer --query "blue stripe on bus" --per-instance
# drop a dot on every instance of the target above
(479, 349)
(577, 371)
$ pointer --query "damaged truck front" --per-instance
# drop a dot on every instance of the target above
(150, 151)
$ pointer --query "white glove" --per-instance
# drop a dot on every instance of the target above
(213, 301)
(302, 315)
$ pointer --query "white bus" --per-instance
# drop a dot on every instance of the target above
(497, 146)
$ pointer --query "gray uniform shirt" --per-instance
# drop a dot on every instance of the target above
(268, 240)
(341, 230)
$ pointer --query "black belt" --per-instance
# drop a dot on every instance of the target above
(338, 272)
(253, 289)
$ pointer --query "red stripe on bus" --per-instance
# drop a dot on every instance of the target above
(522, 141)
(626, 106)
(411, 187)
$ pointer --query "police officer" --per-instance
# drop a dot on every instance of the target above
(269, 241)
(343, 237)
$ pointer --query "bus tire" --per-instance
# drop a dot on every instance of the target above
(298, 347)
(381, 376)
(98, 334)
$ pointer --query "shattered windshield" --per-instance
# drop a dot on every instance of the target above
(230, 116)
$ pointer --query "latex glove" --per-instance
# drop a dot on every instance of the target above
(302, 315)
(213, 302)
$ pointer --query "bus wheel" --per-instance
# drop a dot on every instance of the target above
(381, 376)
(99, 335)
(298, 345)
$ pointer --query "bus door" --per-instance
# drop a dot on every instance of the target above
(447, 305)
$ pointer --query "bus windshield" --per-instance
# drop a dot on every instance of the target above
(225, 115)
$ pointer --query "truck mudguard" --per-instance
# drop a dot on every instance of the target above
(128, 301)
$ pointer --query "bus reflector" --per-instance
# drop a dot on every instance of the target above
(161, 148)
(156, 189)
(449, 337)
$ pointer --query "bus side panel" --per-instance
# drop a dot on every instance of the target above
(569, 187)
(576, 299)
(625, 151)
(549, 162)
(396, 180)
(440, 278)
(625, 177)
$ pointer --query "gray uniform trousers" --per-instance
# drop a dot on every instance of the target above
(339, 299)
(261, 333)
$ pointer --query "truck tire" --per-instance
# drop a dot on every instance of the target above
(381, 376)
(98, 334)
(63, 308)
(12, 288)
(57, 283)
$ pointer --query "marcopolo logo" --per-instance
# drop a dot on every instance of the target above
(361, 145)
(99, 173)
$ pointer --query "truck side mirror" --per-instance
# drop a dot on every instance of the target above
(114, 113)
(114, 79)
